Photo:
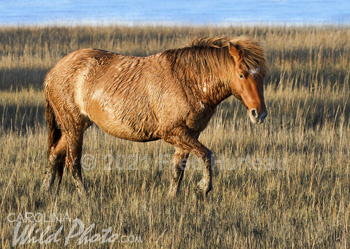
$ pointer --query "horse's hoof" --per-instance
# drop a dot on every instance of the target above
(45, 188)
(172, 194)
(199, 193)
(202, 192)
(83, 194)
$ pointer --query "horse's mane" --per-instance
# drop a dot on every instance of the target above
(252, 53)
(207, 52)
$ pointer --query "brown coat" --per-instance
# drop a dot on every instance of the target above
(170, 95)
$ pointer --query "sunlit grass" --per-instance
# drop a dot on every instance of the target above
(282, 184)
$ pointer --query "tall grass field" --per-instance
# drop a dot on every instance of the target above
(282, 184)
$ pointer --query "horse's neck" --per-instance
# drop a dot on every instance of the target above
(201, 76)
(213, 81)
(213, 90)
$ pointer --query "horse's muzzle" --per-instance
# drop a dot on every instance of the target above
(255, 117)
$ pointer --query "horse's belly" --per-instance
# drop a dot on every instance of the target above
(130, 133)
(128, 127)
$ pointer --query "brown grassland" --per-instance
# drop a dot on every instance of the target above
(282, 184)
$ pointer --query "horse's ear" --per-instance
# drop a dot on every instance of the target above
(234, 51)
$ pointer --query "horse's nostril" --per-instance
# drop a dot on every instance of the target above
(254, 113)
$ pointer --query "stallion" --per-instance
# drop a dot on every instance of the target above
(170, 95)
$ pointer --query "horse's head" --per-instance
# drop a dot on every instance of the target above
(247, 86)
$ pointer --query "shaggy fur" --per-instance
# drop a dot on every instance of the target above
(171, 96)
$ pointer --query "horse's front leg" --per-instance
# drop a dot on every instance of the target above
(185, 141)
(179, 159)
(205, 184)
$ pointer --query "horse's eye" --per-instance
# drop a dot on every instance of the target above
(241, 76)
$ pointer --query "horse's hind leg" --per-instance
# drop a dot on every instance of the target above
(179, 159)
(61, 150)
(73, 157)
(56, 157)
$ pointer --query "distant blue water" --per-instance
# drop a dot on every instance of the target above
(179, 12)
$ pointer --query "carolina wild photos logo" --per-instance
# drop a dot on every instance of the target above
(30, 229)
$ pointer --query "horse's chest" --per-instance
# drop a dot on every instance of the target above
(200, 117)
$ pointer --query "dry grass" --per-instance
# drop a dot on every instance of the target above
(283, 184)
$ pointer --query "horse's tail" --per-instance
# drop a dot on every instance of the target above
(54, 131)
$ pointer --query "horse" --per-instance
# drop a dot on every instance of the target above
(171, 95)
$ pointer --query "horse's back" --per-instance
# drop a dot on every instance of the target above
(74, 63)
